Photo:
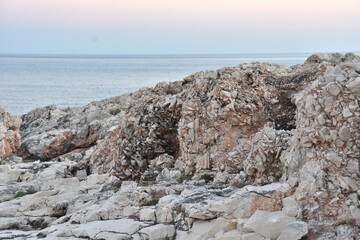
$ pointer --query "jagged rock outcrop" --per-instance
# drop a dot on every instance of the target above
(325, 150)
(257, 151)
(9, 134)
(206, 121)
(50, 132)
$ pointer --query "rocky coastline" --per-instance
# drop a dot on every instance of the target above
(253, 152)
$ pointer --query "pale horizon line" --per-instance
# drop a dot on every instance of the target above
(164, 54)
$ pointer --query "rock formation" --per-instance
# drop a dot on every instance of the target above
(256, 151)
(9, 134)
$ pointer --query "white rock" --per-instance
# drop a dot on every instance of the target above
(5, 168)
(6, 177)
(129, 211)
(94, 179)
(273, 187)
(346, 112)
(81, 174)
(355, 212)
(352, 183)
(334, 158)
(290, 206)
(147, 214)
(268, 224)
(294, 231)
(220, 224)
(112, 236)
(197, 232)
(158, 231)
(168, 176)
(164, 215)
(230, 235)
(17, 159)
(353, 166)
(128, 186)
(240, 224)
(252, 236)
(54, 171)
(354, 85)
(122, 226)
(321, 119)
(333, 89)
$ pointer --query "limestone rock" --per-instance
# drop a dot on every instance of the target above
(295, 230)
(59, 209)
(158, 231)
(92, 229)
(354, 85)
(252, 236)
(9, 134)
(268, 224)
(147, 214)
(230, 235)
(50, 132)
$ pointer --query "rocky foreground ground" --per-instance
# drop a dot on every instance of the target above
(253, 152)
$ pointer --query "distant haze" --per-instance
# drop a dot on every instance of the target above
(178, 26)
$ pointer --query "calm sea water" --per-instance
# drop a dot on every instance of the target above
(31, 81)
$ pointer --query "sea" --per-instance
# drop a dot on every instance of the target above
(31, 81)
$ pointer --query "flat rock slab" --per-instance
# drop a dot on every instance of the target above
(268, 224)
(295, 230)
(157, 232)
(121, 226)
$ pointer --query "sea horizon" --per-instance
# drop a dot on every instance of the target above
(150, 55)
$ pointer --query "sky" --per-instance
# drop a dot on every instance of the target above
(178, 26)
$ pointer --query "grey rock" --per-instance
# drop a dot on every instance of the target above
(333, 89)
(158, 231)
(295, 231)
(354, 85)
(344, 133)
(81, 174)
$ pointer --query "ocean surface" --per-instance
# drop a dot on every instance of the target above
(31, 81)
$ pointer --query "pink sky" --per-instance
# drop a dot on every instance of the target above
(247, 16)
(299, 14)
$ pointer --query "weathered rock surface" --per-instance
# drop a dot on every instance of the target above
(9, 134)
(257, 151)
(50, 132)
(268, 224)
